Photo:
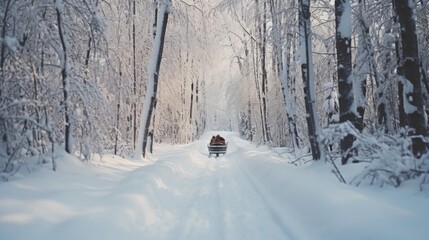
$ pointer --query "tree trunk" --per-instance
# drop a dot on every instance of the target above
(291, 84)
(403, 121)
(65, 80)
(264, 72)
(257, 64)
(412, 95)
(385, 118)
(3, 45)
(134, 104)
(249, 114)
(344, 68)
(153, 71)
(192, 103)
(118, 110)
(363, 62)
(308, 78)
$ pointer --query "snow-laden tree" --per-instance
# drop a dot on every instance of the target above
(149, 106)
(412, 92)
(74, 74)
(364, 62)
(283, 46)
(308, 77)
(50, 50)
(331, 105)
(181, 84)
(344, 70)
(181, 109)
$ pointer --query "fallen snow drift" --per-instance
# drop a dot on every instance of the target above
(181, 193)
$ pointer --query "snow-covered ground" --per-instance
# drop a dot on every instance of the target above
(250, 193)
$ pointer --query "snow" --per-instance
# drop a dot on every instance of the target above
(59, 5)
(180, 193)
(412, 4)
(409, 108)
(345, 28)
(389, 38)
(11, 43)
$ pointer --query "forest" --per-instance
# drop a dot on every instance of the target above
(342, 81)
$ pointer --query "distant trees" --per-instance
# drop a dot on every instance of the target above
(131, 37)
(183, 83)
(284, 47)
(68, 78)
(74, 73)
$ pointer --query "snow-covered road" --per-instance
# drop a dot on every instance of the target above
(216, 199)
(250, 193)
(193, 196)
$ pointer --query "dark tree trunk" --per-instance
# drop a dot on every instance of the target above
(152, 130)
(403, 121)
(152, 104)
(412, 96)
(118, 110)
(307, 77)
(134, 104)
(264, 72)
(192, 103)
(345, 82)
(249, 114)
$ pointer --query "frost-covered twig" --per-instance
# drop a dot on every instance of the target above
(389, 158)
(298, 159)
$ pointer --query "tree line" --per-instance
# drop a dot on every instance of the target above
(320, 75)
(345, 71)
(74, 74)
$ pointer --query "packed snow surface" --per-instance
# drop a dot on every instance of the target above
(180, 193)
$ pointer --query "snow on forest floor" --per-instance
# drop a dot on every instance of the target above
(250, 193)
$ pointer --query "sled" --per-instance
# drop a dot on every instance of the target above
(217, 149)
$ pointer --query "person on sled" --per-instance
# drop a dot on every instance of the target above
(217, 140)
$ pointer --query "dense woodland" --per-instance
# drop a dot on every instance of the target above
(336, 79)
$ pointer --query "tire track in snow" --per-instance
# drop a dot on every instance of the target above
(198, 217)
(196, 195)
(253, 208)
(277, 219)
(277, 210)
(226, 204)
